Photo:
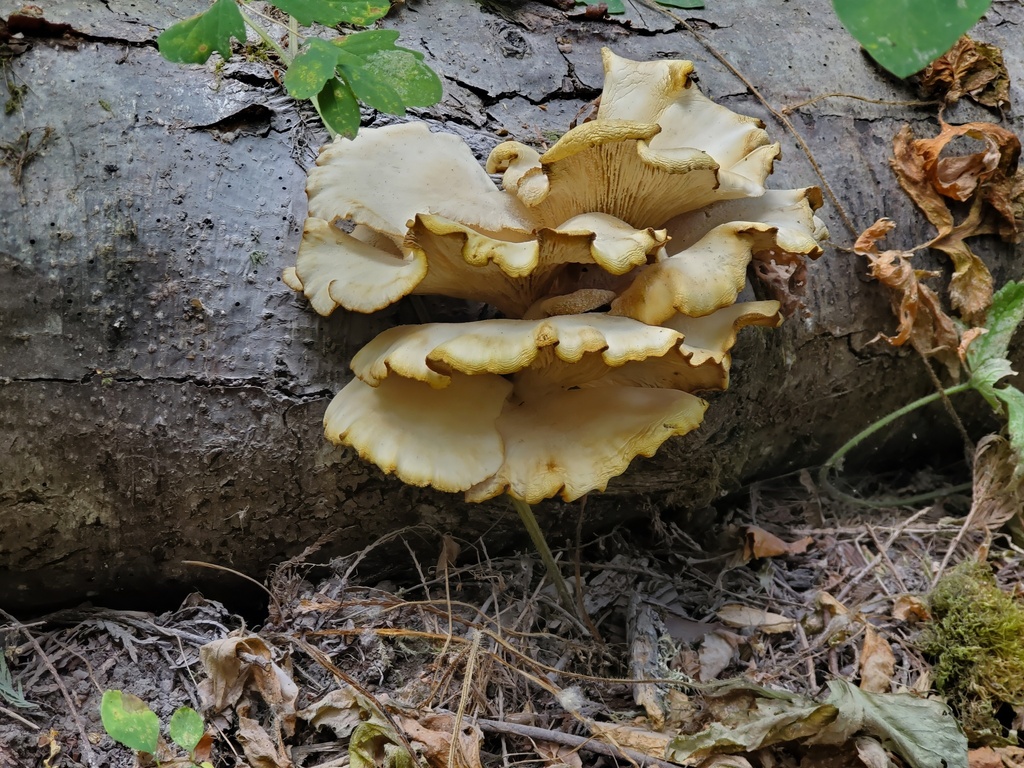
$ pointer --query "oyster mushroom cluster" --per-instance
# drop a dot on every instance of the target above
(612, 261)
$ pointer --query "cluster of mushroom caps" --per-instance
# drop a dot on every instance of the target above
(612, 261)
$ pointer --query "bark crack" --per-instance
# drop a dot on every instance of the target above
(250, 382)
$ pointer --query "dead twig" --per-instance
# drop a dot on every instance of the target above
(788, 110)
(590, 744)
(12, 714)
(84, 744)
(869, 567)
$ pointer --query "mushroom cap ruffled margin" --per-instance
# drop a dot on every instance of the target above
(655, 209)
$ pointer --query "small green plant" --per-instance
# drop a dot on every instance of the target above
(905, 36)
(10, 692)
(987, 365)
(128, 720)
(333, 75)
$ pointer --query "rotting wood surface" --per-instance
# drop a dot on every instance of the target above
(161, 390)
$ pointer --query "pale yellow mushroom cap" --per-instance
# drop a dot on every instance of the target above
(656, 209)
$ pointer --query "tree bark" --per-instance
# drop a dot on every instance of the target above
(161, 390)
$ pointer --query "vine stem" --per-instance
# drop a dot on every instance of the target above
(541, 544)
(883, 422)
(286, 59)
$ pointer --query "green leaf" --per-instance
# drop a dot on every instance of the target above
(338, 108)
(905, 36)
(186, 728)
(921, 731)
(311, 69)
(193, 41)
(751, 721)
(1005, 314)
(416, 84)
(331, 12)
(368, 86)
(682, 3)
(129, 721)
(370, 41)
(987, 375)
(1014, 400)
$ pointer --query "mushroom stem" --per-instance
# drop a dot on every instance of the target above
(541, 544)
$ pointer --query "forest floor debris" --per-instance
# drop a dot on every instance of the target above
(783, 630)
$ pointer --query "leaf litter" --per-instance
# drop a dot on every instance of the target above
(700, 653)
(792, 634)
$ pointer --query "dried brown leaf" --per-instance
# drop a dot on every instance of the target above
(758, 543)
(716, 654)
(338, 710)
(971, 69)
(725, 761)
(910, 608)
(985, 179)
(998, 496)
(450, 550)
(877, 662)
(984, 757)
(261, 750)
(554, 755)
(966, 338)
(786, 281)
(744, 617)
(631, 737)
(830, 606)
(872, 753)
(434, 732)
(236, 665)
(922, 320)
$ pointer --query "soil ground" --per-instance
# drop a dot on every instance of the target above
(698, 621)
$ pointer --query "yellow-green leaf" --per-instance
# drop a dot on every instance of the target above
(416, 84)
(368, 86)
(331, 12)
(194, 40)
(338, 108)
(186, 728)
(129, 721)
(311, 69)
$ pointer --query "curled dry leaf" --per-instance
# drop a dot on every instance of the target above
(236, 665)
(339, 710)
(434, 733)
(450, 550)
(745, 617)
(877, 662)
(758, 543)
(966, 338)
(716, 654)
(910, 608)
(922, 321)
(984, 179)
(555, 755)
(260, 748)
(998, 492)
(996, 757)
(970, 68)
